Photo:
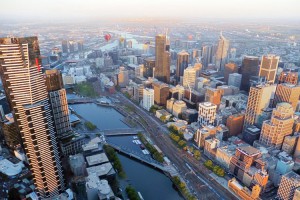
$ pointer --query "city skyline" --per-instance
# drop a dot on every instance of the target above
(55, 11)
(98, 98)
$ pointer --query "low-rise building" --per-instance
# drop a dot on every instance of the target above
(179, 125)
(96, 159)
(250, 134)
(98, 189)
(10, 169)
(163, 113)
(243, 192)
(190, 115)
(178, 108)
(170, 103)
(248, 166)
(204, 133)
(224, 155)
(72, 144)
(103, 171)
(210, 147)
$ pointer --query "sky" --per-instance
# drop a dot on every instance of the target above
(52, 10)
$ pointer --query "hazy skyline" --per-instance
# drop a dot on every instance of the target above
(116, 9)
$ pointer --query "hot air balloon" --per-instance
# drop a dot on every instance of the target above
(107, 37)
(190, 37)
(121, 39)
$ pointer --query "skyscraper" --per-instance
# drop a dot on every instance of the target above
(206, 55)
(162, 58)
(80, 45)
(64, 46)
(222, 51)
(58, 102)
(229, 69)
(25, 86)
(281, 124)
(268, 67)
(71, 46)
(189, 77)
(235, 79)
(249, 68)
(287, 93)
(149, 65)
(259, 99)
(182, 63)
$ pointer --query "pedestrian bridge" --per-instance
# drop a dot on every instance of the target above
(120, 132)
(169, 169)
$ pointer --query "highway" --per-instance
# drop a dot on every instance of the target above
(195, 174)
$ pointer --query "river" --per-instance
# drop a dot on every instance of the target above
(151, 183)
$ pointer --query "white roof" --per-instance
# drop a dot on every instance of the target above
(99, 170)
(97, 159)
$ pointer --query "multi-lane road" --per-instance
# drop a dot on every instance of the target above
(195, 174)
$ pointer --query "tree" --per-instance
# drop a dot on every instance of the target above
(127, 95)
(209, 164)
(216, 169)
(197, 154)
(174, 137)
(182, 143)
(131, 193)
(163, 118)
(173, 129)
(90, 126)
(4, 177)
(191, 149)
(152, 109)
(181, 185)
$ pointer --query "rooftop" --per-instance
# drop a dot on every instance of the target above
(101, 170)
(93, 144)
(249, 150)
(76, 160)
(10, 169)
(96, 159)
(292, 176)
(104, 190)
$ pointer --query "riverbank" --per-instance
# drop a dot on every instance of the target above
(150, 182)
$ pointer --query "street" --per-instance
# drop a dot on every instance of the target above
(198, 179)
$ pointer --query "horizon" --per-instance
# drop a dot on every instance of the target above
(118, 10)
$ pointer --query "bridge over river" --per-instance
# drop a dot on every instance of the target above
(169, 169)
(120, 132)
